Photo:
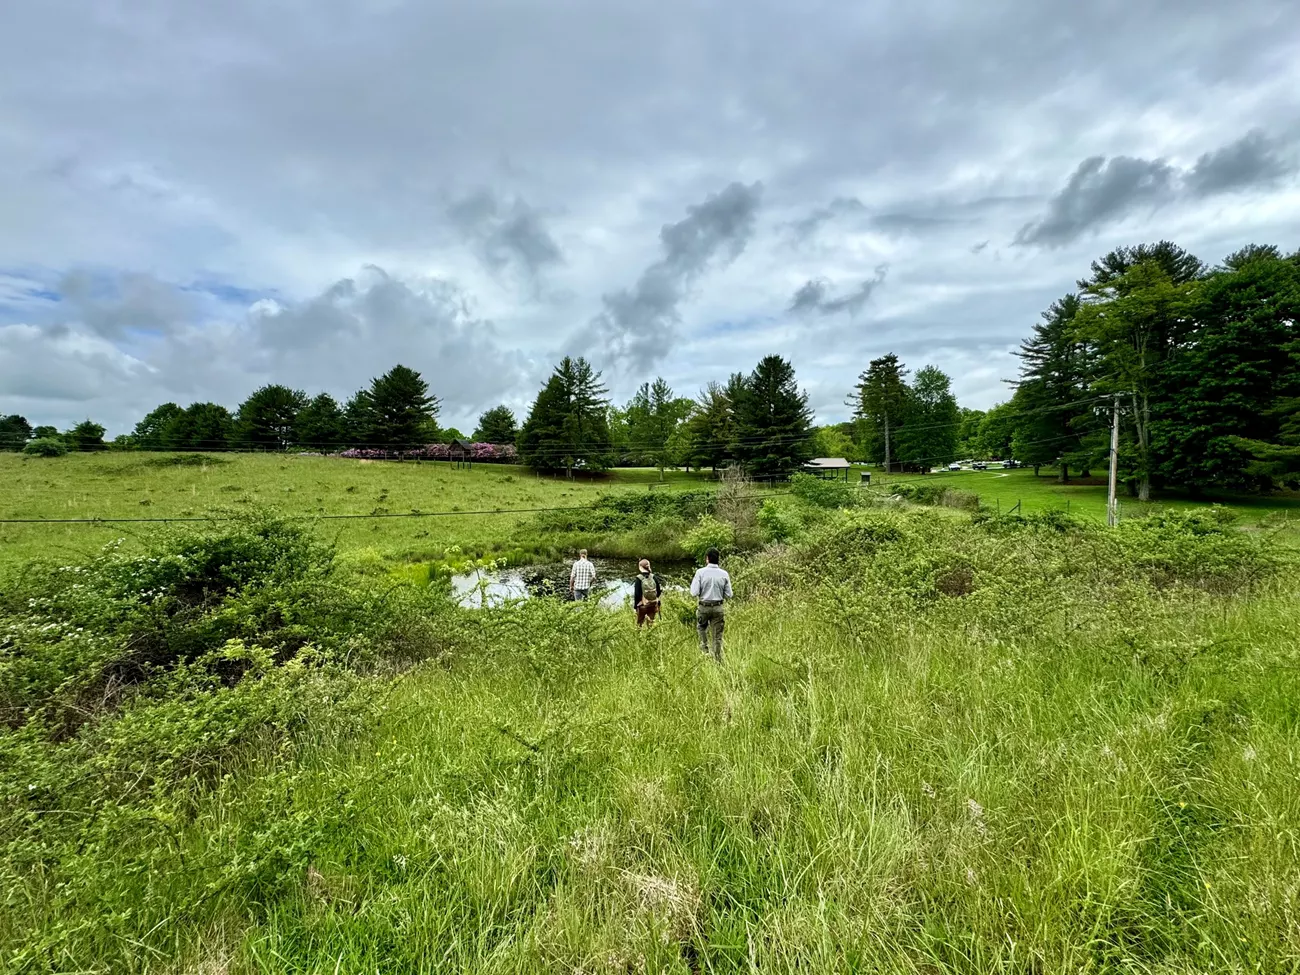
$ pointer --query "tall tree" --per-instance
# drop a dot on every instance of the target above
(151, 431)
(568, 425)
(200, 426)
(1224, 385)
(929, 434)
(652, 417)
(773, 421)
(880, 401)
(398, 410)
(969, 442)
(497, 426)
(15, 431)
(1051, 411)
(267, 419)
(86, 435)
(320, 424)
(710, 430)
(1137, 321)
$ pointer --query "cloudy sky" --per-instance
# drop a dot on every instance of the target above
(197, 198)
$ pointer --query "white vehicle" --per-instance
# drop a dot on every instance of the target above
(954, 466)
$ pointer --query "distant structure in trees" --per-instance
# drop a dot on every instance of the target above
(829, 468)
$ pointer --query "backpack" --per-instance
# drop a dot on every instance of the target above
(649, 587)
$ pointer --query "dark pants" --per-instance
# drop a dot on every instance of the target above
(647, 611)
(709, 618)
(580, 595)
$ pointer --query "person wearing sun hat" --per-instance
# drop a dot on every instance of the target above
(646, 591)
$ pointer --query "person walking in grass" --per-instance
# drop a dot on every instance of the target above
(711, 586)
(581, 576)
(646, 591)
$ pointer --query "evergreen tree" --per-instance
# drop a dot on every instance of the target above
(398, 411)
(320, 424)
(200, 426)
(497, 426)
(267, 419)
(86, 435)
(711, 428)
(773, 421)
(46, 432)
(1052, 418)
(15, 431)
(568, 425)
(1226, 380)
(150, 431)
(880, 401)
(930, 431)
(1137, 323)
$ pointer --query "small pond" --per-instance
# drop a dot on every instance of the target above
(612, 588)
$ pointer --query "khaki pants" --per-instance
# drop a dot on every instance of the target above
(710, 618)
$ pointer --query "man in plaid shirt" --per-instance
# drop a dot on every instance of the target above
(581, 576)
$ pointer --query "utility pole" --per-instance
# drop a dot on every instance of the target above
(1112, 506)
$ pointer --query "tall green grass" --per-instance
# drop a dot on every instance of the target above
(935, 745)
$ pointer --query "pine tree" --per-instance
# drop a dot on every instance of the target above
(15, 431)
(398, 411)
(86, 435)
(497, 426)
(568, 425)
(320, 424)
(773, 421)
(266, 420)
(880, 402)
(151, 431)
(1053, 423)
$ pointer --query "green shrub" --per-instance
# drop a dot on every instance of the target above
(45, 447)
(779, 523)
(821, 492)
(708, 533)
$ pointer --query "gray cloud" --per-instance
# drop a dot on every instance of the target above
(1253, 160)
(807, 226)
(1098, 191)
(124, 303)
(243, 143)
(506, 233)
(637, 324)
(813, 297)
(1101, 191)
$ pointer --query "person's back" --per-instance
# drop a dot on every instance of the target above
(711, 586)
(581, 576)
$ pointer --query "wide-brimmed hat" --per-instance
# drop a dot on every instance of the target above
(644, 564)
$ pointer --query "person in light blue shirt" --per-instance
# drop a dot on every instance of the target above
(711, 586)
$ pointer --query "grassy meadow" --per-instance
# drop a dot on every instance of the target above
(133, 485)
(1086, 498)
(939, 742)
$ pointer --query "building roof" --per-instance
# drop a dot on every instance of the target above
(828, 463)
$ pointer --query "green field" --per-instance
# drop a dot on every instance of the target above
(132, 485)
(1003, 490)
(938, 743)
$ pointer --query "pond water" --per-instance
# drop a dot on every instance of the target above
(612, 588)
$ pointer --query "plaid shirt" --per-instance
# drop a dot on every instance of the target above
(583, 574)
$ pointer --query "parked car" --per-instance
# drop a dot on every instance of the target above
(1010, 463)
(979, 465)
(954, 466)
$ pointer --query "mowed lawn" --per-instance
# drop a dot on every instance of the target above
(1002, 490)
(482, 502)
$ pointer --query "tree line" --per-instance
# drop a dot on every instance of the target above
(1202, 362)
